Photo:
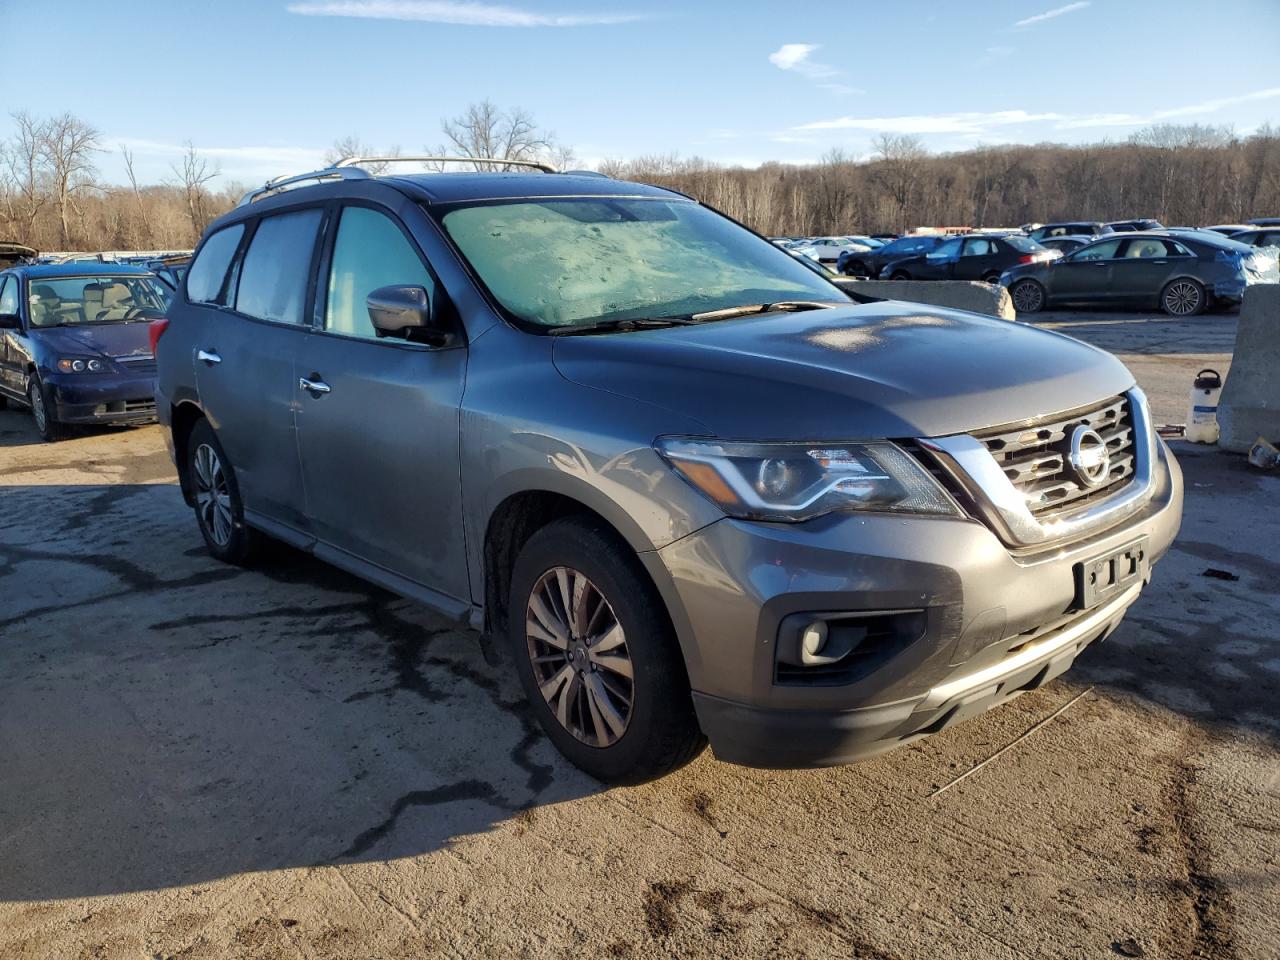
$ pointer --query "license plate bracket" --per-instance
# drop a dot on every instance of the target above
(1100, 579)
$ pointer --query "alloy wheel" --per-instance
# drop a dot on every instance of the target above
(1182, 298)
(36, 396)
(579, 654)
(213, 495)
(1027, 298)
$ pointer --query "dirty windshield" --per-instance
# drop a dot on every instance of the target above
(568, 262)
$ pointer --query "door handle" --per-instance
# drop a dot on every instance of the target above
(208, 356)
(315, 387)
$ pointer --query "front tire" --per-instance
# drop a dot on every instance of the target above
(597, 655)
(855, 268)
(42, 411)
(1028, 296)
(219, 508)
(900, 275)
(1183, 298)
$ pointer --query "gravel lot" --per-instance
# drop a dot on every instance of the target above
(199, 761)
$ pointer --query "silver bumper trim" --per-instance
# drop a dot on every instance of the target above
(1044, 649)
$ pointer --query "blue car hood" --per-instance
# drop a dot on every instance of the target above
(885, 369)
(102, 339)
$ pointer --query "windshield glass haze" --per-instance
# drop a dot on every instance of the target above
(559, 263)
(64, 301)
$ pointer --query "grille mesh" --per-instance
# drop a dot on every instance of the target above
(1035, 457)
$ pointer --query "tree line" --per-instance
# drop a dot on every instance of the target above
(53, 197)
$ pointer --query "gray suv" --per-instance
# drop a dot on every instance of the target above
(696, 490)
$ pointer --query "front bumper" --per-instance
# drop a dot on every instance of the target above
(995, 623)
(102, 398)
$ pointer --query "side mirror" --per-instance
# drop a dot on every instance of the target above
(406, 313)
(10, 321)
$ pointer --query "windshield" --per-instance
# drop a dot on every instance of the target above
(566, 262)
(71, 301)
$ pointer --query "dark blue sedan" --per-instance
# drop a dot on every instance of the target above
(74, 343)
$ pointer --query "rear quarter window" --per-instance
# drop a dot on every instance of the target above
(209, 270)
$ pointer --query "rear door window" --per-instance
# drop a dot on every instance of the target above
(209, 271)
(978, 247)
(277, 266)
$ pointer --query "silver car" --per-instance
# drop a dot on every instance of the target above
(693, 489)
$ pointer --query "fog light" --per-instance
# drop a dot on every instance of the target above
(812, 640)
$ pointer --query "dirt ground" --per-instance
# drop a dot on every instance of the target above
(203, 762)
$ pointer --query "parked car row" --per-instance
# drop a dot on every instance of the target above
(1181, 272)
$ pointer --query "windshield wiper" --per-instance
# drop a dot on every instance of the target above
(728, 313)
(622, 324)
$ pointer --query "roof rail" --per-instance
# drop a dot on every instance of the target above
(350, 162)
(281, 183)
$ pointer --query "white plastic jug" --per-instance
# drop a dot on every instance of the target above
(1202, 413)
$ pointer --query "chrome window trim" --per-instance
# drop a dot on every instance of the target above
(1003, 507)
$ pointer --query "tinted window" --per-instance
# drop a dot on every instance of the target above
(369, 252)
(979, 247)
(1099, 251)
(1024, 244)
(209, 270)
(1145, 249)
(945, 251)
(273, 280)
(8, 295)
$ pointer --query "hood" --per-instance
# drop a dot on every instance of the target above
(877, 370)
(105, 339)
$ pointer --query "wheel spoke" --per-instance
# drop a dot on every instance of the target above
(612, 639)
(599, 699)
(619, 665)
(565, 596)
(552, 630)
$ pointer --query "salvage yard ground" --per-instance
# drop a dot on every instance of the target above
(204, 762)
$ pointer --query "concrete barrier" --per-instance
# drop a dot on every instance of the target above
(985, 298)
(1250, 403)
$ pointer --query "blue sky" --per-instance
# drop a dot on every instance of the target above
(264, 86)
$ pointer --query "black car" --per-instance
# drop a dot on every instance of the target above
(1133, 226)
(1180, 273)
(1066, 244)
(977, 256)
(1263, 237)
(869, 263)
(75, 344)
(1091, 228)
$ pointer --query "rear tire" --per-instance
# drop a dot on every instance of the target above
(602, 672)
(900, 275)
(42, 411)
(1028, 296)
(219, 508)
(992, 278)
(855, 268)
(1183, 298)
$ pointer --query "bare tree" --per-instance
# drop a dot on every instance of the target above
(484, 130)
(901, 163)
(345, 148)
(193, 174)
(67, 146)
(23, 167)
(137, 193)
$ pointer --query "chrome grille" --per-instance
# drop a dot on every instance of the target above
(138, 363)
(1035, 457)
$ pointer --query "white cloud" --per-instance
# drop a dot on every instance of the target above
(795, 56)
(457, 12)
(244, 162)
(932, 123)
(981, 124)
(1055, 12)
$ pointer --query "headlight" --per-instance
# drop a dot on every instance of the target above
(82, 365)
(793, 481)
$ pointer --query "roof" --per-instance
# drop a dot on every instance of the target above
(85, 268)
(459, 187)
